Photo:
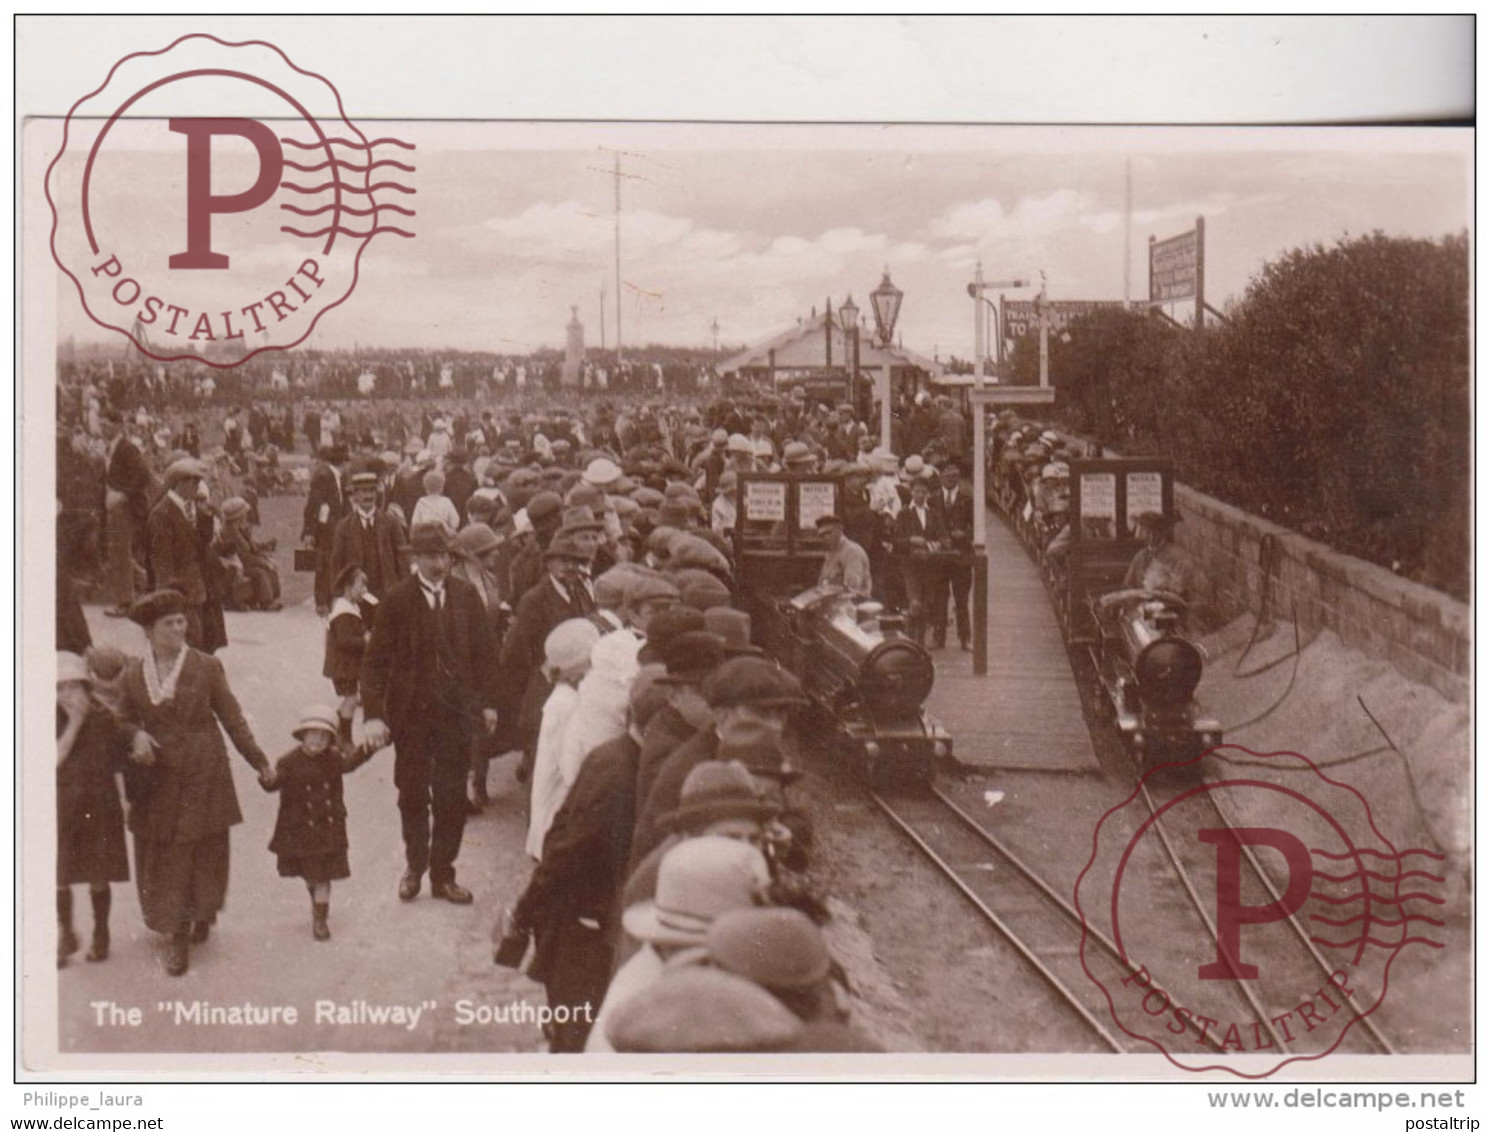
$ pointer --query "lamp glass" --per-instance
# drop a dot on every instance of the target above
(886, 299)
(848, 315)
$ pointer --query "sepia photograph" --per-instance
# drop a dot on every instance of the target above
(853, 600)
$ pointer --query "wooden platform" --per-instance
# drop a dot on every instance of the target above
(1026, 713)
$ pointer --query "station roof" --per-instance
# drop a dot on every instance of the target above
(805, 347)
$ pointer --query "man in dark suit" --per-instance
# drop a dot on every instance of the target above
(324, 508)
(460, 483)
(919, 532)
(176, 548)
(428, 675)
(370, 538)
(556, 597)
(955, 505)
(127, 491)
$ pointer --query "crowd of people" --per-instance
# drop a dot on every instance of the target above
(547, 583)
(1030, 481)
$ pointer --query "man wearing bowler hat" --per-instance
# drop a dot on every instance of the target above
(428, 679)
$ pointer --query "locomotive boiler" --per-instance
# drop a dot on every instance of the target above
(870, 681)
(1150, 671)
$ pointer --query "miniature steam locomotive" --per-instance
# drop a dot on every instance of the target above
(868, 682)
(1149, 671)
(868, 679)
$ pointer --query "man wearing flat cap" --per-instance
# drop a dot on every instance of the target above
(846, 563)
(176, 553)
(751, 700)
(429, 678)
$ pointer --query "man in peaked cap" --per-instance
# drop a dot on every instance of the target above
(431, 674)
(750, 700)
(570, 904)
(704, 591)
(650, 593)
(612, 591)
(369, 538)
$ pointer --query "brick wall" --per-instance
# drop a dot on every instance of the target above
(1423, 633)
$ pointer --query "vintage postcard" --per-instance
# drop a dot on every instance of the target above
(611, 598)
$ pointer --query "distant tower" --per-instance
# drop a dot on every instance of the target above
(574, 348)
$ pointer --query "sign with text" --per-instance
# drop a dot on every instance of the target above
(765, 502)
(1022, 316)
(814, 500)
(1174, 267)
(1145, 494)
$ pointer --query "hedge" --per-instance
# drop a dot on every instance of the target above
(1334, 400)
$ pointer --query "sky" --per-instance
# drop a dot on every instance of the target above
(756, 226)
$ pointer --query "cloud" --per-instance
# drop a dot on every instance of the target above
(578, 230)
(986, 222)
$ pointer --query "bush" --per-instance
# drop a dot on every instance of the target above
(1335, 401)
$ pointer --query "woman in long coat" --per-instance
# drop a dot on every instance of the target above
(180, 702)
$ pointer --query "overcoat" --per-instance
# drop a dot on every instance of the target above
(312, 813)
(190, 793)
(401, 658)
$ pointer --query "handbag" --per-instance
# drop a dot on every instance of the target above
(305, 560)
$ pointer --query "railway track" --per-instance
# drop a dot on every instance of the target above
(1010, 896)
(1364, 1035)
(1046, 929)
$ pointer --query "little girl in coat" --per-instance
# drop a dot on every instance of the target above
(310, 836)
